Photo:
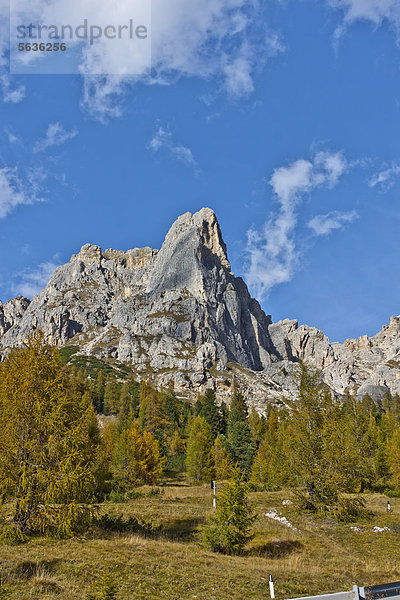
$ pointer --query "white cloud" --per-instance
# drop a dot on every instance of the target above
(375, 11)
(238, 76)
(55, 136)
(324, 224)
(11, 94)
(15, 190)
(162, 139)
(102, 96)
(385, 178)
(272, 256)
(12, 138)
(31, 282)
(289, 183)
(219, 40)
(372, 10)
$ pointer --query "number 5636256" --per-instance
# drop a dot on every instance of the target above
(42, 47)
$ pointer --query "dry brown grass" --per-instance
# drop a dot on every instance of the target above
(320, 556)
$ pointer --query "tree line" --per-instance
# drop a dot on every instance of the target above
(59, 453)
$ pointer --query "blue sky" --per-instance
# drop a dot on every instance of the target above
(283, 117)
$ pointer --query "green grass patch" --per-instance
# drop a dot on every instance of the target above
(150, 547)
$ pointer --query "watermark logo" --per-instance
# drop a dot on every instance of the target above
(83, 38)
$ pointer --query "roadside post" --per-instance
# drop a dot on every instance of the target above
(214, 489)
(271, 587)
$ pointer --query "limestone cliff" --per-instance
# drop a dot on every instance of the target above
(179, 315)
(365, 365)
(173, 314)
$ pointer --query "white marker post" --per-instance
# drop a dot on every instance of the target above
(271, 587)
(214, 488)
(389, 506)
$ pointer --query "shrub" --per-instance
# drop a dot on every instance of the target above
(119, 496)
(116, 523)
(392, 493)
(349, 510)
(12, 535)
(345, 510)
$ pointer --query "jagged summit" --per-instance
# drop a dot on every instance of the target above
(175, 313)
(192, 248)
(179, 315)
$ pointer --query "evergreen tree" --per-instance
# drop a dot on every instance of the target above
(240, 442)
(257, 426)
(198, 406)
(152, 416)
(48, 440)
(224, 414)
(98, 388)
(238, 432)
(238, 408)
(137, 457)
(198, 454)
(231, 528)
(173, 410)
(111, 398)
(221, 459)
(210, 412)
(266, 467)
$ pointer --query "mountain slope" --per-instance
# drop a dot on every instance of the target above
(180, 317)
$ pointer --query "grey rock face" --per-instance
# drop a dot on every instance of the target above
(179, 315)
(174, 313)
(365, 365)
(11, 313)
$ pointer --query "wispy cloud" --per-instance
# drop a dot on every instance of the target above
(324, 224)
(238, 76)
(221, 41)
(11, 94)
(162, 139)
(16, 190)
(375, 11)
(103, 96)
(12, 138)
(272, 255)
(55, 136)
(31, 281)
(385, 178)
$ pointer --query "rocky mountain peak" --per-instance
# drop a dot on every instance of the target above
(180, 316)
(90, 253)
(192, 249)
(173, 314)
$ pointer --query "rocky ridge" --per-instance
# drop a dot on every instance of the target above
(179, 316)
(367, 365)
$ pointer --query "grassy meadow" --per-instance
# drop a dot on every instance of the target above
(316, 556)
